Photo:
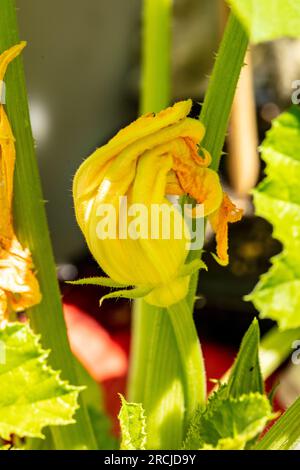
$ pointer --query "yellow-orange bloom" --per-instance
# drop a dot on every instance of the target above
(226, 213)
(155, 156)
(19, 288)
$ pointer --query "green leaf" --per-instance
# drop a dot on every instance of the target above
(193, 440)
(101, 423)
(31, 394)
(277, 294)
(245, 376)
(265, 20)
(133, 426)
(238, 411)
(285, 433)
(229, 423)
(277, 199)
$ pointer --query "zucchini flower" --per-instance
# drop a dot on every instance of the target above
(155, 156)
(19, 288)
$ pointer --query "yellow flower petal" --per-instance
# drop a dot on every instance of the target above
(92, 171)
(17, 279)
(195, 179)
(19, 288)
(7, 163)
(9, 55)
(227, 213)
(154, 156)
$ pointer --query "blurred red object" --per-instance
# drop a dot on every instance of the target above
(96, 349)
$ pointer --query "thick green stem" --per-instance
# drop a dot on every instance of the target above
(31, 225)
(191, 356)
(167, 374)
(217, 104)
(218, 100)
(156, 376)
(155, 93)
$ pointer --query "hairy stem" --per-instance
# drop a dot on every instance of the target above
(191, 356)
(216, 109)
(218, 100)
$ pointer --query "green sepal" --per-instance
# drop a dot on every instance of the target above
(192, 267)
(97, 281)
(135, 293)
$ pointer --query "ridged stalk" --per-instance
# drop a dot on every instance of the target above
(32, 230)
